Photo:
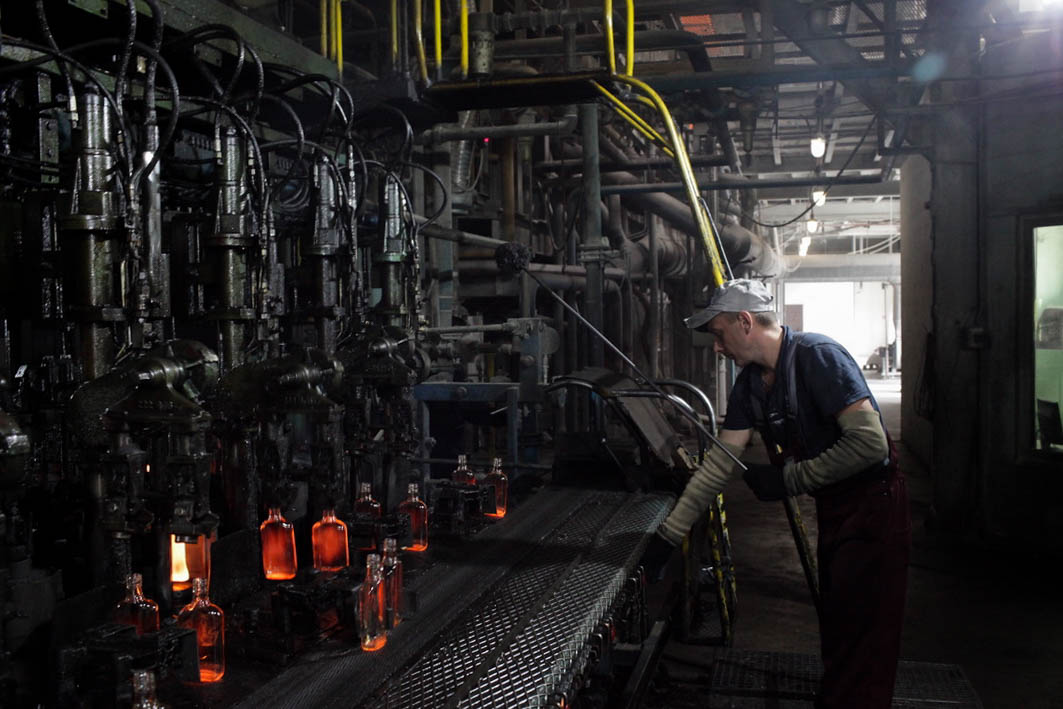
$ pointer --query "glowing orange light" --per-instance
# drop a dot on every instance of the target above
(179, 575)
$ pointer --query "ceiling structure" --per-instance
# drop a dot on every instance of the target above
(790, 71)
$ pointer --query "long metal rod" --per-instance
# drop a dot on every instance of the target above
(693, 418)
(743, 184)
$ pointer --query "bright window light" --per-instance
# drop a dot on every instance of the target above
(802, 249)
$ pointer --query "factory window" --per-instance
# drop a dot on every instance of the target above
(1048, 336)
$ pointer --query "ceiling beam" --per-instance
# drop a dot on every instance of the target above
(885, 189)
(877, 92)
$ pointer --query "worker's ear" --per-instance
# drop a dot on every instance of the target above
(746, 320)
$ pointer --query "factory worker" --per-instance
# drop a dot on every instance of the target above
(807, 398)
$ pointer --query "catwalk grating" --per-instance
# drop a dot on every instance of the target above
(750, 680)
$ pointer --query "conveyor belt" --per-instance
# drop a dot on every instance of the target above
(502, 628)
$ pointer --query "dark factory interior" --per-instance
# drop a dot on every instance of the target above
(344, 358)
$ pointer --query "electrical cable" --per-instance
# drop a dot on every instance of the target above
(42, 18)
(127, 52)
(828, 184)
(442, 186)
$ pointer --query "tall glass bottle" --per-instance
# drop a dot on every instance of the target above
(278, 547)
(462, 474)
(329, 538)
(136, 610)
(367, 509)
(498, 480)
(372, 606)
(208, 620)
(144, 690)
(391, 567)
(417, 511)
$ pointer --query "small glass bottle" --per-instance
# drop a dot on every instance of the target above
(144, 690)
(498, 480)
(462, 474)
(278, 547)
(136, 610)
(329, 537)
(391, 568)
(417, 511)
(208, 620)
(367, 509)
(372, 606)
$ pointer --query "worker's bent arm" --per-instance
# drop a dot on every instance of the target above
(708, 479)
(862, 444)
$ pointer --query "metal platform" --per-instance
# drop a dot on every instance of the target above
(757, 680)
(506, 625)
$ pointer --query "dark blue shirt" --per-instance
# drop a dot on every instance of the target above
(828, 380)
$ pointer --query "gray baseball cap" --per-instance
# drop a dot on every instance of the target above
(732, 297)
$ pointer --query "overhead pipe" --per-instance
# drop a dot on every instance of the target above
(488, 267)
(444, 133)
(629, 164)
(623, 185)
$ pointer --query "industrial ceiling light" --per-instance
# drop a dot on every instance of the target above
(802, 249)
(812, 226)
(818, 145)
(819, 197)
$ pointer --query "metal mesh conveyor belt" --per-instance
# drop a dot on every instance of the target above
(470, 612)
(519, 646)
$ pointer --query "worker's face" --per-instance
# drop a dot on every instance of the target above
(732, 338)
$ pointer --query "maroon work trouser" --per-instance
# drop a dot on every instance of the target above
(865, 536)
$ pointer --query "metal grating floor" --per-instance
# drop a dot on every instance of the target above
(757, 680)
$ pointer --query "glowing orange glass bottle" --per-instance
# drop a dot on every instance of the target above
(498, 480)
(329, 537)
(208, 621)
(366, 508)
(391, 569)
(372, 606)
(136, 610)
(462, 474)
(417, 511)
(278, 547)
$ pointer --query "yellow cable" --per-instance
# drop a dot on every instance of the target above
(393, 23)
(324, 28)
(464, 39)
(629, 66)
(437, 33)
(687, 172)
(339, 38)
(610, 48)
(635, 119)
(418, 37)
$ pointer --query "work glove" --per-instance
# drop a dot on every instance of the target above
(766, 481)
(656, 557)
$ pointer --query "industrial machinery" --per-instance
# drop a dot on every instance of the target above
(248, 263)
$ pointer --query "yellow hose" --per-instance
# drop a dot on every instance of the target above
(437, 35)
(610, 48)
(629, 64)
(464, 39)
(324, 28)
(708, 237)
(393, 26)
(635, 119)
(339, 38)
(418, 38)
